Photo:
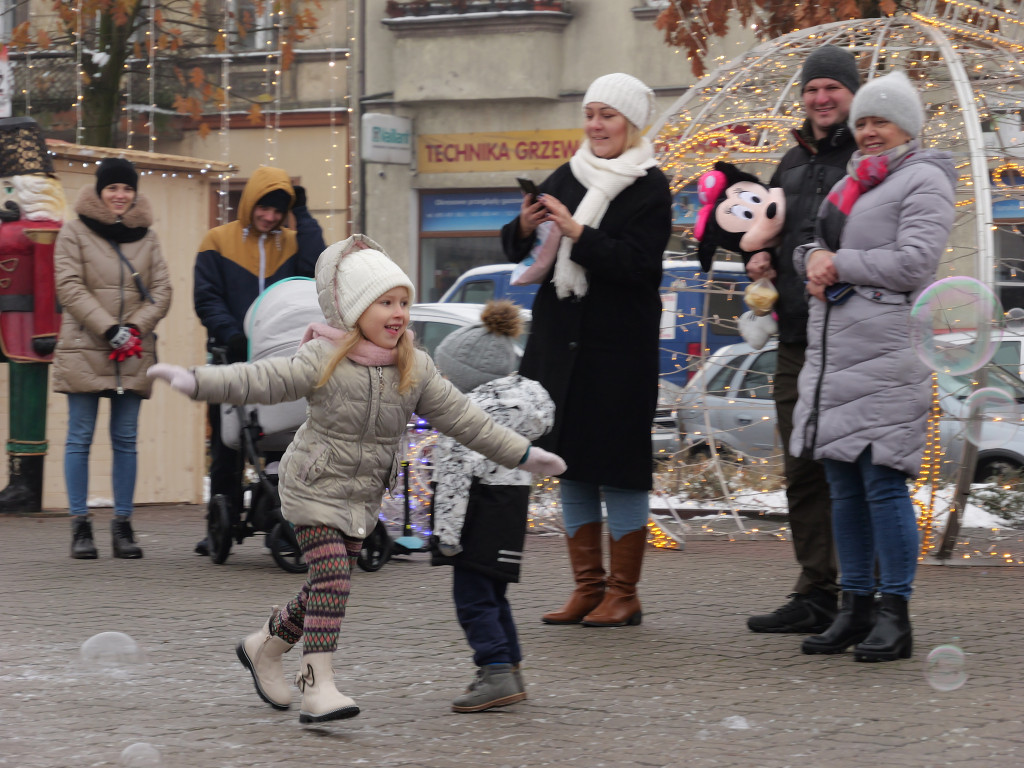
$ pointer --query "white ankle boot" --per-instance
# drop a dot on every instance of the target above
(320, 699)
(261, 653)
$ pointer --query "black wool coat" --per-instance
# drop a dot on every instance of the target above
(598, 356)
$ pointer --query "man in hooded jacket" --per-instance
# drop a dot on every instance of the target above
(236, 263)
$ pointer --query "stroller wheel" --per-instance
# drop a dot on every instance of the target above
(218, 528)
(285, 548)
(376, 549)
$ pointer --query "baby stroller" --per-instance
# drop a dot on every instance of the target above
(260, 433)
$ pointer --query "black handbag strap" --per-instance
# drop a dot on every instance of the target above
(135, 275)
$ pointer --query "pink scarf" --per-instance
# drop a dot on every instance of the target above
(868, 173)
(365, 352)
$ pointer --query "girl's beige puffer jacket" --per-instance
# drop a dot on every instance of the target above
(96, 290)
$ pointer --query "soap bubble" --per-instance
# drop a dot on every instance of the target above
(956, 304)
(944, 668)
(111, 650)
(994, 416)
(140, 755)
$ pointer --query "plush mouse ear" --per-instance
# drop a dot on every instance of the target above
(710, 187)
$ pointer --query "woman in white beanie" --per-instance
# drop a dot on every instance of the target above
(864, 396)
(362, 379)
(594, 340)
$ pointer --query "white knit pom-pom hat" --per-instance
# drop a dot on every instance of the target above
(624, 93)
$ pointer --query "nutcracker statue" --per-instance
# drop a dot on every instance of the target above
(32, 206)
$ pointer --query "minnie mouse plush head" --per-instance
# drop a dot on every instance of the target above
(738, 213)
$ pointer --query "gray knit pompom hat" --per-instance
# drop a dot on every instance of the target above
(893, 97)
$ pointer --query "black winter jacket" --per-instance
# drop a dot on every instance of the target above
(598, 356)
(806, 173)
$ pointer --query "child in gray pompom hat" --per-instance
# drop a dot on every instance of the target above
(479, 508)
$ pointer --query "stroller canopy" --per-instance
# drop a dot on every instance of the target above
(280, 315)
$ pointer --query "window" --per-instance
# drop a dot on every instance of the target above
(253, 24)
(720, 383)
(757, 383)
(476, 292)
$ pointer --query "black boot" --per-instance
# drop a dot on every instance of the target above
(82, 547)
(24, 493)
(123, 539)
(890, 638)
(851, 625)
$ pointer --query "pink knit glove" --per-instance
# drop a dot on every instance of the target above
(180, 379)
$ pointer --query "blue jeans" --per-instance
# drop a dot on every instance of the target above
(485, 617)
(873, 518)
(581, 504)
(124, 421)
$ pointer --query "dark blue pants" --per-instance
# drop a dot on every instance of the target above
(485, 617)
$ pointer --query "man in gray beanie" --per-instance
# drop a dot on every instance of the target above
(824, 143)
(479, 508)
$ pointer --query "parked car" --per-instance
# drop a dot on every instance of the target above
(431, 323)
(684, 291)
(729, 403)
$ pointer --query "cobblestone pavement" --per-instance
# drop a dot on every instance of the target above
(689, 687)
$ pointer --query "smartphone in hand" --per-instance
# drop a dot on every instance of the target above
(529, 188)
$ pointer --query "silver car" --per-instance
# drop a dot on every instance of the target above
(728, 404)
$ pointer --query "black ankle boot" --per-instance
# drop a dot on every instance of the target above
(24, 493)
(890, 638)
(851, 625)
(123, 539)
(82, 547)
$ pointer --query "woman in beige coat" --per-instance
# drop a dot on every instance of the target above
(114, 287)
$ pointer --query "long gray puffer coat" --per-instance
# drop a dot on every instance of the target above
(346, 453)
(96, 290)
(862, 384)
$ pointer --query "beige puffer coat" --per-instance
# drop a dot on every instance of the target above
(346, 453)
(96, 290)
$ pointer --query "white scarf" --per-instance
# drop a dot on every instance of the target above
(604, 180)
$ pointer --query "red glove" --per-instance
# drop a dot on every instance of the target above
(130, 348)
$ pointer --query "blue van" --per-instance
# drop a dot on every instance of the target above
(698, 312)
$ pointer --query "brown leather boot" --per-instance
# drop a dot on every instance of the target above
(620, 605)
(588, 571)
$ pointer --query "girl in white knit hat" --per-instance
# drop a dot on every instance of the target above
(362, 379)
(595, 337)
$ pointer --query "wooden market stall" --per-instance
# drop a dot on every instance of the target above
(172, 428)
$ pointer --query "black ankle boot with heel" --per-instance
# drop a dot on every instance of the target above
(891, 637)
(851, 625)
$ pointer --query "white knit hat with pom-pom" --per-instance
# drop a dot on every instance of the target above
(362, 277)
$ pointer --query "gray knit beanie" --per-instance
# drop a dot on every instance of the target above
(893, 97)
(832, 62)
(476, 354)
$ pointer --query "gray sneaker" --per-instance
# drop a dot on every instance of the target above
(496, 685)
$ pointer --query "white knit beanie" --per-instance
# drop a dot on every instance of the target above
(624, 93)
(893, 97)
(363, 276)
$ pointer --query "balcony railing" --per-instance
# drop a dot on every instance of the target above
(398, 8)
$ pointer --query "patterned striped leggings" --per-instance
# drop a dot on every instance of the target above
(315, 613)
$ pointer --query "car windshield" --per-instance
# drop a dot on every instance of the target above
(989, 375)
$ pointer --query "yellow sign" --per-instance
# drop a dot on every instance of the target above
(512, 151)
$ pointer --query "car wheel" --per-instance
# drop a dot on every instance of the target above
(993, 469)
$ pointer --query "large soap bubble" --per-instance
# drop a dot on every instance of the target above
(944, 668)
(993, 418)
(140, 755)
(962, 306)
(111, 650)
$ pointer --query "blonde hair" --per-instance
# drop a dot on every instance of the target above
(404, 359)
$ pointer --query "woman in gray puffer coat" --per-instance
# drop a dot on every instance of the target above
(362, 379)
(863, 394)
(114, 287)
